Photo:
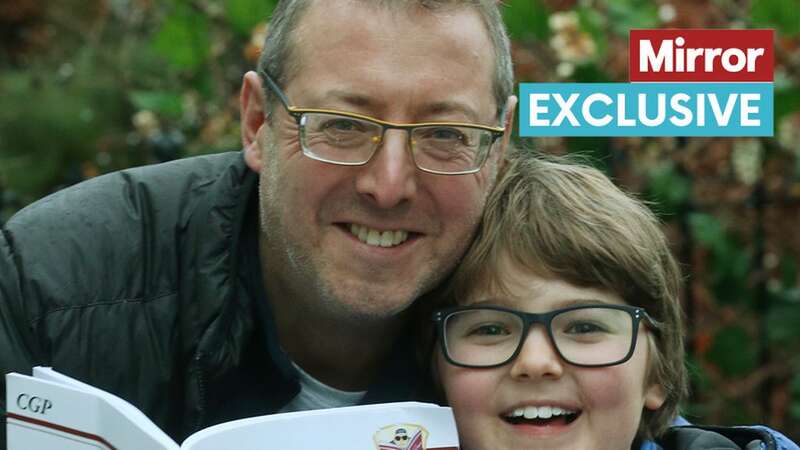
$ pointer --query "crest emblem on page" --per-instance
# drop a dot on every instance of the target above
(402, 436)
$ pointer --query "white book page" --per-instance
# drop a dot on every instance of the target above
(351, 428)
(133, 416)
(46, 415)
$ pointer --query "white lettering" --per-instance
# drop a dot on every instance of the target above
(536, 109)
(740, 60)
(701, 110)
(661, 110)
(722, 117)
(647, 55)
(711, 53)
(622, 120)
(587, 113)
(747, 108)
(566, 110)
(752, 56)
(675, 103)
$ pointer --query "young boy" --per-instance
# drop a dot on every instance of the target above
(567, 330)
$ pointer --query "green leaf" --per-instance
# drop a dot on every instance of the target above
(594, 23)
(734, 351)
(183, 38)
(786, 102)
(782, 323)
(167, 104)
(526, 19)
(789, 270)
(243, 15)
(707, 230)
(626, 14)
(668, 188)
(782, 15)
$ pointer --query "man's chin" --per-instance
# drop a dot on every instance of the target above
(372, 301)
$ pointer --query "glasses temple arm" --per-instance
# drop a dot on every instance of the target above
(275, 89)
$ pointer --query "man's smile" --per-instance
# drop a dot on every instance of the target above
(378, 238)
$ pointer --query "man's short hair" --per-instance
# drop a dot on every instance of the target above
(277, 57)
(567, 220)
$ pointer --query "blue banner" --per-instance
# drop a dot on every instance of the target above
(646, 109)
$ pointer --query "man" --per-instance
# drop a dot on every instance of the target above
(282, 277)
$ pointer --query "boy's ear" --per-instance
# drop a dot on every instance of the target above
(654, 397)
(252, 107)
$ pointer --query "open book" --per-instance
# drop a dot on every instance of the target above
(49, 411)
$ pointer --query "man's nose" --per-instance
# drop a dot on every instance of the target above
(390, 177)
(537, 358)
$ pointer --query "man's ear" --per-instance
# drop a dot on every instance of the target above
(508, 123)
(252, 107)
(654, 397)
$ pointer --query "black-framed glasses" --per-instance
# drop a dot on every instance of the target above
(584, 335)
(350, 139)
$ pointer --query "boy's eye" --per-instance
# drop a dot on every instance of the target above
(489, 329)
(583, 328)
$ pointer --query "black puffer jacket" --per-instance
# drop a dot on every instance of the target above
(143, 283)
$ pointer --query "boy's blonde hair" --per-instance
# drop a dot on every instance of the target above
(566, 220)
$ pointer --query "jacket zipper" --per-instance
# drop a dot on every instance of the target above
(201, 393)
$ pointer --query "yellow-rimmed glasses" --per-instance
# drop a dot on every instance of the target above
(350, 139)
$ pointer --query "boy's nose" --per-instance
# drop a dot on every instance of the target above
(537, 358)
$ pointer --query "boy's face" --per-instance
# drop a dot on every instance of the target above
(608, 401)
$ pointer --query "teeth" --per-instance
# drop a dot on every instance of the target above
(378, 238)
(540, 412)
(545, 412)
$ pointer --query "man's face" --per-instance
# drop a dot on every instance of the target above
(400, 67)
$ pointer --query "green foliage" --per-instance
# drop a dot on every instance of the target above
(243, 15)
(786, 102)
(183, 39)
(731, 264)
(733, 351)
(46, 122)
(596, 24)
(783, 15)
(624, 15)
(668, 189)
(166, 103)
(782, 321)
(526, 19)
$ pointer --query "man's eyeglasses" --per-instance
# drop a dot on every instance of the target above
(350, 139)
(585, 335)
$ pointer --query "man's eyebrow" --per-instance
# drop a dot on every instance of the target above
(348, 97)
(430, 112)
(449, 107)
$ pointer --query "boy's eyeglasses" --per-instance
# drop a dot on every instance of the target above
(586, 335)
(344, 138)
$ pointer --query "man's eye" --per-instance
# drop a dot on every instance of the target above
(342, 125)
(445, 134)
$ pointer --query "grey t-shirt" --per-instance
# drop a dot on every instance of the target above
(317, 395)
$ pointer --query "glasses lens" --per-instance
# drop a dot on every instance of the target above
(450, 149)
(338, 139)
(481, 337)
(593, 336)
